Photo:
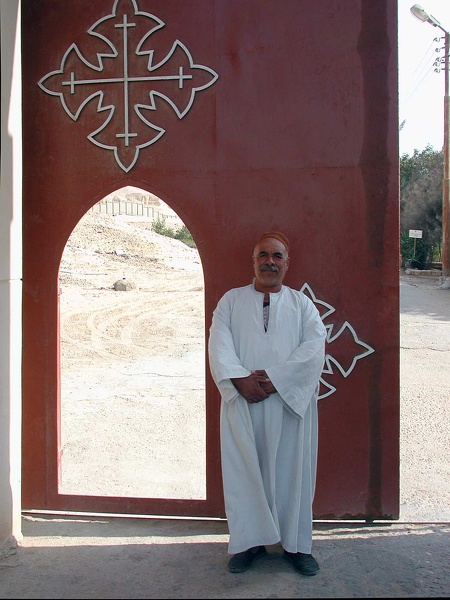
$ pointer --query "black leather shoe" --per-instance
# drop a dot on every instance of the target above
(242, 561)
(305, 564)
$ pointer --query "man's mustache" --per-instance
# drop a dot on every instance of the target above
(269, 268)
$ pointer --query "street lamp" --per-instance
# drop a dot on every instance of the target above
(423, 16)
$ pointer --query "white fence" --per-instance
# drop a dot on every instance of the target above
(115, 207)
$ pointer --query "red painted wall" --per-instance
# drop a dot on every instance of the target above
(300, 133)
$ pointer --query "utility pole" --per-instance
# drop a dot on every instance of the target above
(423, 16)
(445, 280)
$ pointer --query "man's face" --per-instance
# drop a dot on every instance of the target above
(270, 261)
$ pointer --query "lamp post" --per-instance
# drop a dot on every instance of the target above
(423, 16)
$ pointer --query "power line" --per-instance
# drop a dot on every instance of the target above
(426, 67)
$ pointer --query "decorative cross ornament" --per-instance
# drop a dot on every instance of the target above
(128, 82)
(343, 349)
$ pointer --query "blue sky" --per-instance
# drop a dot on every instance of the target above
(421, 89)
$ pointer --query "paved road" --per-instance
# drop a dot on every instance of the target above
(424, 400)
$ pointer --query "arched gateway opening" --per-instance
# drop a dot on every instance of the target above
(118, 411)
(132, 345)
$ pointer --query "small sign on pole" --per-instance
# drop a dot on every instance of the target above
(416, 234)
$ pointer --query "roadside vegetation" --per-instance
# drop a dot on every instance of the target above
(182, 233)
(421, 177)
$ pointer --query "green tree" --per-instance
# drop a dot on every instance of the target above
(421, 205)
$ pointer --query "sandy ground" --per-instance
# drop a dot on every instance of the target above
(152, 558)
(140, 354)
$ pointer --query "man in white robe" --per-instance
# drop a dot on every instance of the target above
(266, 353)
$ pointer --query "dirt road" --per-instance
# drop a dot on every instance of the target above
(424, 400)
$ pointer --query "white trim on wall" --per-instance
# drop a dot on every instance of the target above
(10, 277)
